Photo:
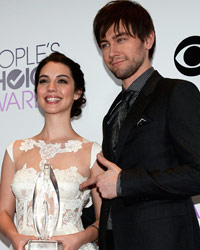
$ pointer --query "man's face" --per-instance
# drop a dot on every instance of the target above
(123, 54)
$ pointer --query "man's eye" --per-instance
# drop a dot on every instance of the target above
(104, 45)
(119, 40)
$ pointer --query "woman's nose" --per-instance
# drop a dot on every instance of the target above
(52, 86)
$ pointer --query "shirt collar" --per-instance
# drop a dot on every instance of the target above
(138, 84)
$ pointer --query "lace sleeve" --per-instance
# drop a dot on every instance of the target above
(96, 148)
(10, 151)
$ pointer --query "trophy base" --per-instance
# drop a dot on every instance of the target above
(44, 244)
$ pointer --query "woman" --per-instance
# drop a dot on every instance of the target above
(59, 86)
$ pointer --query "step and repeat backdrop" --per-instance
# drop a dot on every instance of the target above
(31, 30)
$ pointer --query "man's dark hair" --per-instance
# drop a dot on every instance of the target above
(77, 75)
(134, 18)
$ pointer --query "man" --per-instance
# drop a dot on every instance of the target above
(151, 142)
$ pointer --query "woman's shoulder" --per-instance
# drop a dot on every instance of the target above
(17, 143)
(15, 147)
(94, 145)
(95, 149)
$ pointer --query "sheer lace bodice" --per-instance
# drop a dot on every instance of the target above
(72, 200)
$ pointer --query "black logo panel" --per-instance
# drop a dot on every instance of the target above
(187, 56)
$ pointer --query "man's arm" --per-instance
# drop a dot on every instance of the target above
(183, 180)
(183, 121)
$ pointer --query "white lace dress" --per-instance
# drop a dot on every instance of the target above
(33, 155)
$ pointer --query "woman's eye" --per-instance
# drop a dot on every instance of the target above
(42, 81)
(62, 81)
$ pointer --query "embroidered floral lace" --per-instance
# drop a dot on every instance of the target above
(72, 200)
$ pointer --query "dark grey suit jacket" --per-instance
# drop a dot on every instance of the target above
(159, 154)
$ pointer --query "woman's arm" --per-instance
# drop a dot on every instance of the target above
(7, 199)
(7, 206)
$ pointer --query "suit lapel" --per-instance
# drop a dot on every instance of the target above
(137, 110)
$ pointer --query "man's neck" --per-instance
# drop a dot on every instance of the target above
(127, 82)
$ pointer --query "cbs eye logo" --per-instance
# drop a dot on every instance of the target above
(187, 56)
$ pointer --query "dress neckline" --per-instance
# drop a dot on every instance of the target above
(58, 142)
(48, 151)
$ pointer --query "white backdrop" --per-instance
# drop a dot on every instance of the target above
(31, 29)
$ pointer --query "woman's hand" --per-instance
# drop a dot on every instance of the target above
(70, 241)
(20, 240)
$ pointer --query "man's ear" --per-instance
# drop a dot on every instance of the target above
(149, 40)
(77, 94)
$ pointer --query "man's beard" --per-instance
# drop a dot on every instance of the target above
(129, 71)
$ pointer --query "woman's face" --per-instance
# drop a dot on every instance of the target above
(56, 88)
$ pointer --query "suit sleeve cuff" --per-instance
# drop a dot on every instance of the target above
(119, 190)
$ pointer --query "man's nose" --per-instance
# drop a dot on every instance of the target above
(114, 50)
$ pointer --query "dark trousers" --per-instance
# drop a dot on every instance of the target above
(110, 240)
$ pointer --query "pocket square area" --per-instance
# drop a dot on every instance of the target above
(143, 121)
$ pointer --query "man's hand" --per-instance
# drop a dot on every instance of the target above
(107, 181)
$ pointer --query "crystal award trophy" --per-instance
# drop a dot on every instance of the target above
(46, 208)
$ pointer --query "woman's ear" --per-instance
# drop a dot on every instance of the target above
(77, 94)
